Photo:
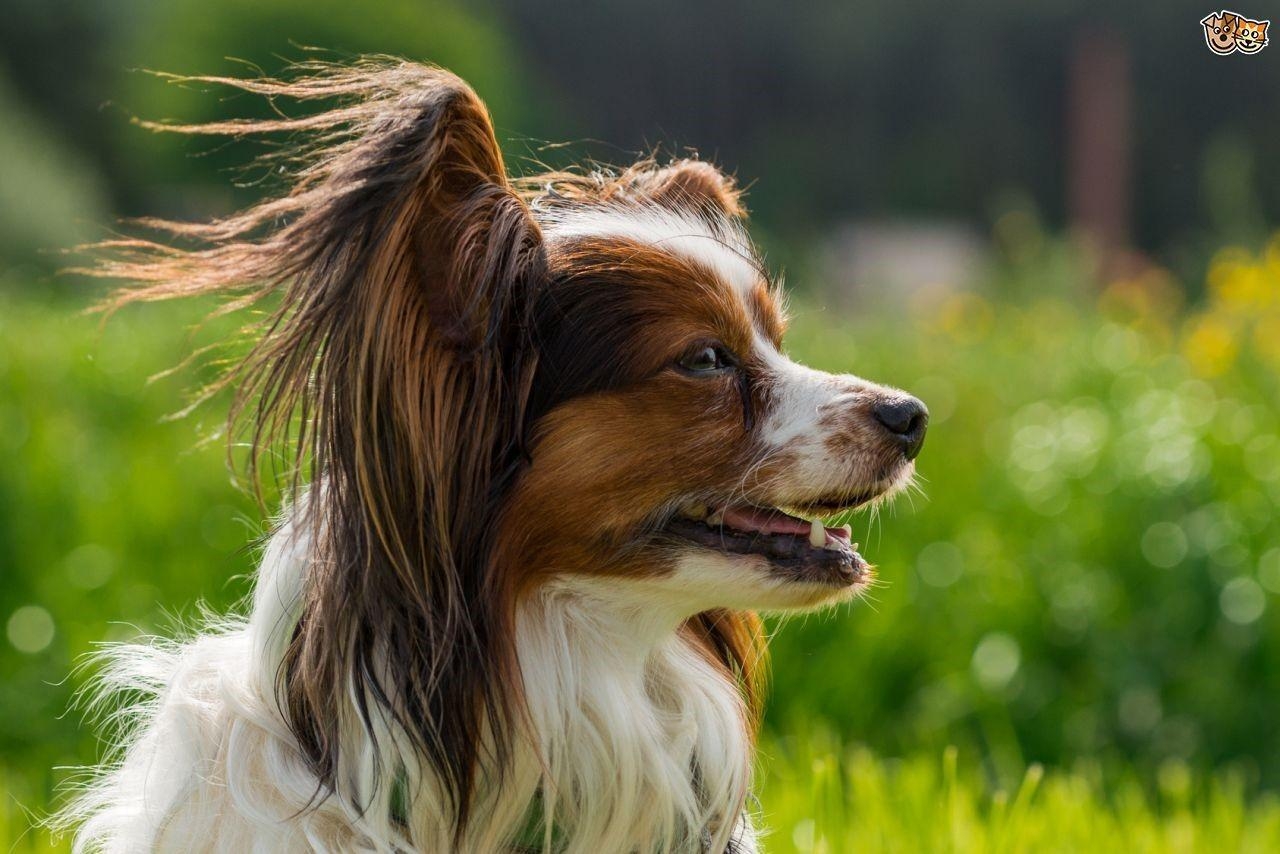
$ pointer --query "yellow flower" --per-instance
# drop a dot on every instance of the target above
(1210, 347)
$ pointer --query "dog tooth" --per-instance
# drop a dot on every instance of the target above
(697, 511)
(716, 518)
(817, 535)
(856, 545)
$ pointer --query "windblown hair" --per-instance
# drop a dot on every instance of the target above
(400, 254)
(398, 361)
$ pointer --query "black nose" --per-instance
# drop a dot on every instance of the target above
(906, 419)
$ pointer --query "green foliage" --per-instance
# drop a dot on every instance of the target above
(111, 518)
(1093, 565)
(48, 195)
(1089, 573)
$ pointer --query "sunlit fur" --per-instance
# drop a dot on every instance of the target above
(468, 631)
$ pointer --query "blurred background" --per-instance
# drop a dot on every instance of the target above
(1053, 222)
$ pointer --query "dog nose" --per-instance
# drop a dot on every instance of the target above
(906, 419)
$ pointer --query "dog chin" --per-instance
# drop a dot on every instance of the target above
(705, 580)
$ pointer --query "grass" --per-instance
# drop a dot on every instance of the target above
(820, 797)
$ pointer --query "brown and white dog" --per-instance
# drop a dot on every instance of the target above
(550, 432)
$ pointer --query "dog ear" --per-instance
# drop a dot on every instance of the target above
(475, 247)
(401, 268)
(400, 235)
(687, 182)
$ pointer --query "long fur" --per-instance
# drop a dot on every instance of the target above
(402, 254)
(474, 629)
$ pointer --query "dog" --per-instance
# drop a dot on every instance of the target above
(543, 432)
(1220, 32)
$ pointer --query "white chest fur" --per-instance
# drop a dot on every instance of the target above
(634, 742)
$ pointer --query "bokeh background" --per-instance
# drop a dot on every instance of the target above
(1052, 221)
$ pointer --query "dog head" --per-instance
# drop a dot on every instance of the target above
(496, 384)
(1220, 32)
(670, 437)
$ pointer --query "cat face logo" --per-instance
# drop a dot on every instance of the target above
(1251, 36)
(1227, 32)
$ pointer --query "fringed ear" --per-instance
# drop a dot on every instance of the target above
(397, 361)
(477, 247)
(693, 182)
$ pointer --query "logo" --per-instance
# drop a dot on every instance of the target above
(1227, 32)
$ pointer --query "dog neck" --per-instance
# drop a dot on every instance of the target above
(631, 738)
(643, 741)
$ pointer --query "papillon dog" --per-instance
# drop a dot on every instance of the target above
(548, 457)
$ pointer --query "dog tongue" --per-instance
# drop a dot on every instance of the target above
(747, 518)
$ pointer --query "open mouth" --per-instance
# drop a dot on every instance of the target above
(798, 548)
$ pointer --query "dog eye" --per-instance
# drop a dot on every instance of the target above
(705, 359)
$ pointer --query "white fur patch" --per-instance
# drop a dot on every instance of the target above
(722, 247)
(821, 421)
(647, 710)
(800, 397)
(623, 712)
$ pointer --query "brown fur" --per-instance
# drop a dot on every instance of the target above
(412, 363)
(684, 184)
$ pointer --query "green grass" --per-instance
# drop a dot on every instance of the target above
(821, 798)
(818, 797)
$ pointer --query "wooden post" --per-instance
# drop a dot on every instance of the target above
(1099, 121)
